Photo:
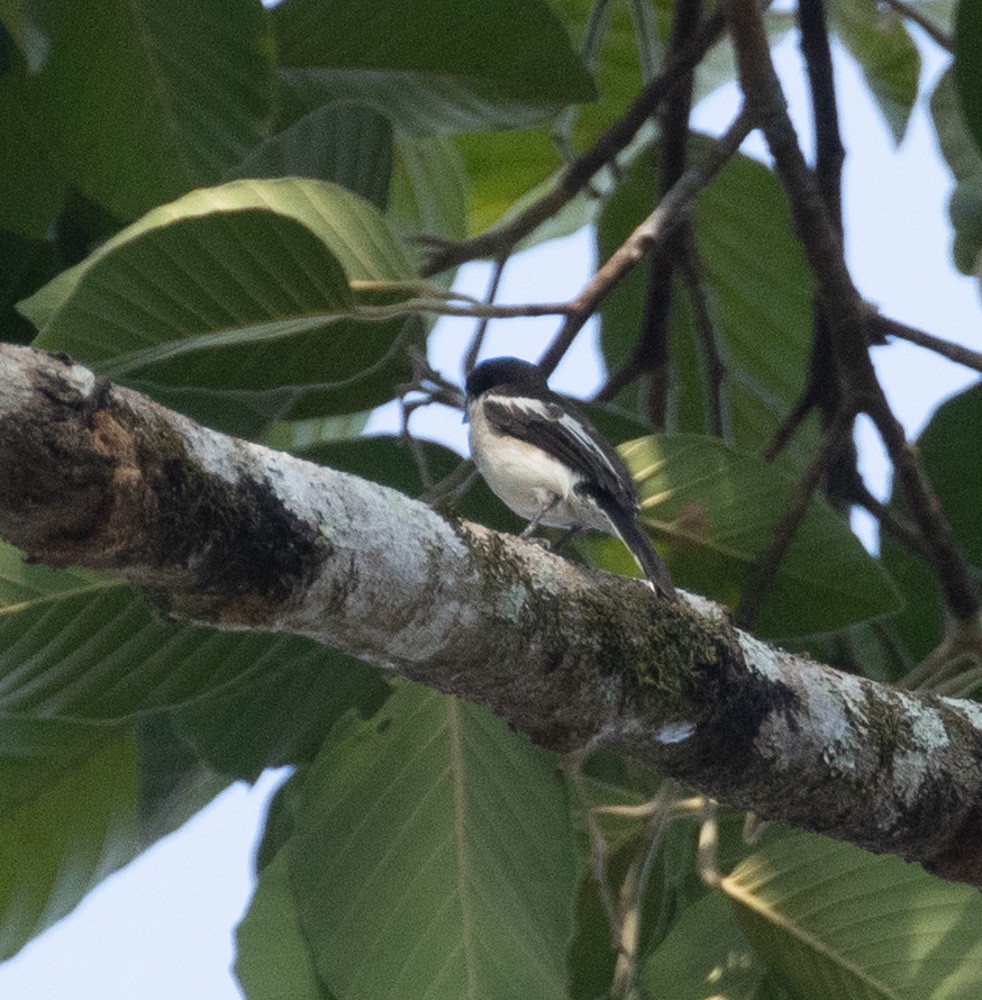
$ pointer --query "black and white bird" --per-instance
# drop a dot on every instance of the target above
(545, 460)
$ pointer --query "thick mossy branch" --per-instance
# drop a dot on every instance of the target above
(233, 534)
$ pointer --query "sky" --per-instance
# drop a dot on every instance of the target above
(162, 928)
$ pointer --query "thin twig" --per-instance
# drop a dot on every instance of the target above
(631, 896)
(470, 359)
(827, 393)
(707, 844)
(573, 766)
(891, 522)
(937, 33)
(444, 494)
(715, 373)
(829, 151)
(953, 352)
(652, 355)
(478, 310)
(572, 179)
(824, 389)
(647, 236)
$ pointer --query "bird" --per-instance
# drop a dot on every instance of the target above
(545, 461)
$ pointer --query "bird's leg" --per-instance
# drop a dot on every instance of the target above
(565, 537)
(537, 520)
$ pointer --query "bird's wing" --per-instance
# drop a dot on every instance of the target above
(563, 432)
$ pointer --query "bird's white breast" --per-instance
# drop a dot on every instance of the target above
(526, 478)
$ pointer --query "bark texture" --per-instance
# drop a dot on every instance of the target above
(232, 534)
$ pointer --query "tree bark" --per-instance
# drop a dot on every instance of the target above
(235, 535)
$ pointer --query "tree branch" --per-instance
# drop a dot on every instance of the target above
(953, 352)
(233, 534)
(653, 348)
(844, 311)
(574, 177)
(937, 34)
(650, 235)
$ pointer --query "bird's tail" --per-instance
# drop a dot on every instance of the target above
(639, 544)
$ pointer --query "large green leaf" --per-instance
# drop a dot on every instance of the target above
(501, 169)
(429, 189)
(433, 856)
(273, 959)
(234, 304)
(706, 955)
(83, 645)
(344, 142)
(73, 831)
(435, 64)
(968, 65)
(77, 801)
(963, 157)
(760, 293)
(36, 753)
(150, 98)
(878, 39)
(949, 448)
(32, 184)
(25, 265)
(839, 922)
(415, 103)
(715, 509)
(279, 712)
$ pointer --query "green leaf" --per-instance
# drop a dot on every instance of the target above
(837, 921)
(760, 294)
(502, 169)
(429, 189)
(149, 99)
(234, 304)
(32, 184)
(175, 783)
(35, 753)
(433, 856)
(280, 711)
(25, 265)
(705, 955)
(417, 104)
(343, 142)
(962, 155)
(513, 51)
(59, 843)
(273, 960)
(716, 508)
(968, 65)
(81, 645)
(878, 40)
(13, 24)
(949, 448)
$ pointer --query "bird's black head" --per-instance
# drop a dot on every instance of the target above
(497, 372)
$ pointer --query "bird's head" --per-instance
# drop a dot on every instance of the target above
(497, 372)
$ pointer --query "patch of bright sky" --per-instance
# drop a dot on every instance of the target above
(162, 928)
